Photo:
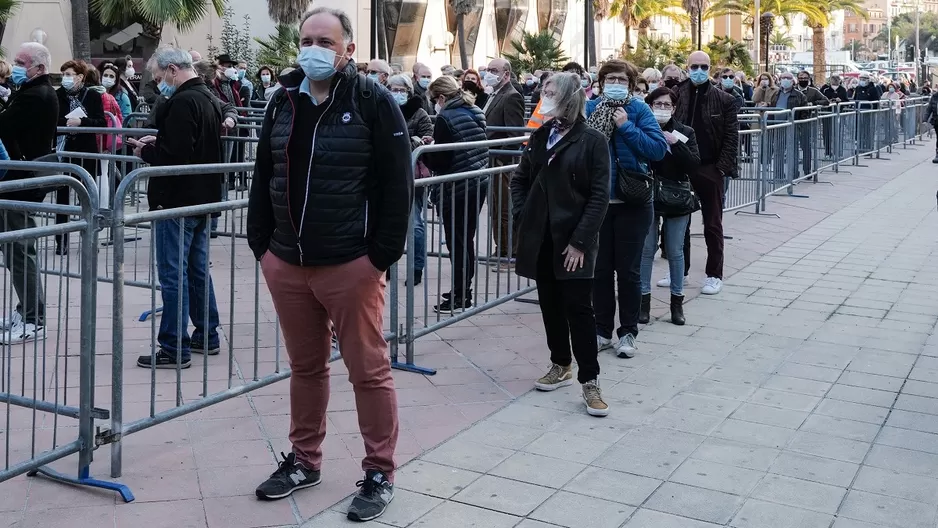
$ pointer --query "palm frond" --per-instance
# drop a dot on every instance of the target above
(113, 12)
(287, 11)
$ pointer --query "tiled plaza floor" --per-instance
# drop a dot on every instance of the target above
(799, 395)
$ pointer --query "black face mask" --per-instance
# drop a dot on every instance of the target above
(804, 84)
(671, 83)
(471, 87)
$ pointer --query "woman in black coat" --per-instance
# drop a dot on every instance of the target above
(73, 94)
(682, 159)
(559, 194)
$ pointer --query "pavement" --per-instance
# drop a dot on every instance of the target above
(798, 397)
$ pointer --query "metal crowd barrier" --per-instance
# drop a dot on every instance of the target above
(779, 149)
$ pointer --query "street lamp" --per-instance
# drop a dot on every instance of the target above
(767, 21)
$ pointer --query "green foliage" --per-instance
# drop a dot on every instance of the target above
(184, 14)
(7, 9)
(536, 51)
(782, 39)
(653, 52)
(279, 50)
(903, 26)
(724, 51)
(235, 41)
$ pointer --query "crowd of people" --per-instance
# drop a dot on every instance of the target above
(617, 162)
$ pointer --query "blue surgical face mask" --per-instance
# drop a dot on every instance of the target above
(424, 82)
(616, 92)
(529, 82)
(68, 82)
(864, 82)
(786, 83)
(166, 90)
(698, 76)
(373, 77)
(241, 74)
(19, 75)
(400, 97)
(652, 87)
(318, 63)
(728, 83)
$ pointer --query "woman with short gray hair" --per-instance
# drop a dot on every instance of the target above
(559, 195)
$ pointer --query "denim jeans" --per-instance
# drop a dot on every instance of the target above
(420, 228)
(674, 229)
(192, 236)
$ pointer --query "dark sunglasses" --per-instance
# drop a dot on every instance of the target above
(728, 77)
(704, 67)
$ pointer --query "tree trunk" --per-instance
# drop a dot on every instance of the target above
(628, 37)
(694, 22)
(81, 32)
(382, 33)
(820, 58)
(461, 37)
(643, 28)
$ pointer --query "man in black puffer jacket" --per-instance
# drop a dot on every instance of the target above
(27, 129)
(328, 214)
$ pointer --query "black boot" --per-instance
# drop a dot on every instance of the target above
(677, 309)
(936, 158)
(644, 313)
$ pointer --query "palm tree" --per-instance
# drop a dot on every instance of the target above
(81, 31)
(287, 11)
(645, 10)
(462, 8)
(7, 9)
(783, 9)
(184, 14)
(782, 40)
(625, 10)
(729, 52)
(536, 51)
(818, 23)
(696, 10)
(281, 49)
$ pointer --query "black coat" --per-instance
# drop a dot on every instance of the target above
(459, 122)
(682, 159)
(94, 107)
(570, 194)
(359, 186)
(27, 129)
(189, 125)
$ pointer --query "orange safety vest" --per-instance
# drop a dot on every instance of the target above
(537, 118)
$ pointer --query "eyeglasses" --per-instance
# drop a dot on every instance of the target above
(396, 89)
(729, 77)
(374, 72)
(616, 79)
(704, 67)
(662, 105)
(496, 71)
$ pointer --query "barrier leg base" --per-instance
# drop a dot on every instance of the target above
(760, 213)
(527, 301)
(145, 315)
(85, 480)
(410, 367)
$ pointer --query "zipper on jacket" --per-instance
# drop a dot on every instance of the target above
(312, 155)
(365, 234)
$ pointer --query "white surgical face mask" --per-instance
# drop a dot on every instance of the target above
(437, 108)
(764, 83)
(107, 82)
(231, 73)
(652, 87)
(548, 106)
(490, 79)
(265, 78)
(130, 72)
(661, 115)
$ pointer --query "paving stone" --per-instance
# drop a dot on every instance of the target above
(800, 493)
(908, 439)
(500, 434)
(730, 391)
(853, 430)
(763, 414)
(696, 503)
(597, 482)
(651, 519)
(504, 495)
(815, 469)
(684, 420)
(827, 446)
(852, 411)
(895, 484)
(468, 455)
(649, 452)
(809, 372)
(888, 510)
(920, 388)
(912, 420)
(456, 515)
(433, 479)
(903, 460)
(530, 468)
(799, 385)
(760, 514)
(871, 381)
(752, 433)
(719, 477)
(921, 404)
(736, 454)
(567, 447)
(862, 395)
(882, 363)
(568, 509)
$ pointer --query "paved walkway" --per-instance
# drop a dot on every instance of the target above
(732, 380)
(801, 397)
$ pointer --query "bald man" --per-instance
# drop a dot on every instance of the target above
(379, 70)
(196, 56)
(422, 78)
(711, 112)
(504, 108)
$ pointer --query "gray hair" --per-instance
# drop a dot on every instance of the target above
(39, 54)
(383, 65)
(205, 69)
(347, 34)
(651, 75)
(570, 98)
(680, 73)
(166, 56)
(402, 80)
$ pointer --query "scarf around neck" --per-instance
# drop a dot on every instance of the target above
(602, 119)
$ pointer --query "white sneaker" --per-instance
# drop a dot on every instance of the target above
(7, 322)
(22, 332)
(603, 343)
(711, 286)
(626, 347)
(666, 281)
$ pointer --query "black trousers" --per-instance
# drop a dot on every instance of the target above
(708, 184)
(459, 214)
(567, 310)
(618, 268)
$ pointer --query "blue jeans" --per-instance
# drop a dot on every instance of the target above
(420, 229)
(191, 233)
(674, 229)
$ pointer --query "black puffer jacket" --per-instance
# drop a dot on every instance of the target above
(459, 122)
(359, 186)
(27, 129)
